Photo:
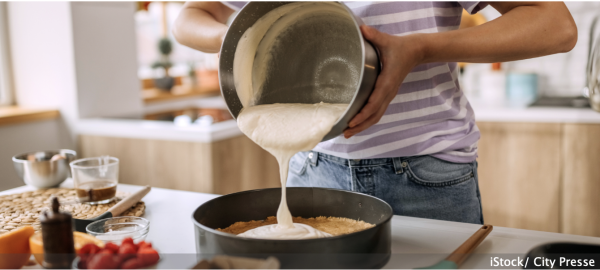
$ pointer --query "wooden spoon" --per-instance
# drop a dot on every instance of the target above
(459, 255)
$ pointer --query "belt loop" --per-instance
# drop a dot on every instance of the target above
(312, 157)
(398, 165)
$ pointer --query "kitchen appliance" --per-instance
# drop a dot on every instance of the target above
(44, 169)
(369, 248)
(456, 258)
(322, 58)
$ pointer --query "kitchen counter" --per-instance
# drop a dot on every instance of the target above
(163, 130)
(416, 242)
(486, 112)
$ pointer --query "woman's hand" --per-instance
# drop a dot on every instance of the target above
(398, 56)
(525, 30)
(201, 25)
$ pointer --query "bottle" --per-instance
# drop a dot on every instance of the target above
(57, 236)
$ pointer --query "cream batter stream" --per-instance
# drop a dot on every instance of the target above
(284, 130)
(281, 129)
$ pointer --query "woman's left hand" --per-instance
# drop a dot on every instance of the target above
(398, 56)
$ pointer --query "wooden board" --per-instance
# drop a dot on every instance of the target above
(581, 179)
(519, 174)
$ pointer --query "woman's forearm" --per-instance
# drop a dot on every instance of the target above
(201, 25)
(523, 31)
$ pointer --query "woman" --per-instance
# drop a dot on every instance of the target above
(414, 144)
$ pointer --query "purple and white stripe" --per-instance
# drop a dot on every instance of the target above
(430, 114)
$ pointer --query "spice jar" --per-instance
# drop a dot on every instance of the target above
(57, 236)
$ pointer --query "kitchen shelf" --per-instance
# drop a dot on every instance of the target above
(178, 92)
(16, 115)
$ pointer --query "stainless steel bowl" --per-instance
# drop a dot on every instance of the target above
(320, 59)
(44, 169)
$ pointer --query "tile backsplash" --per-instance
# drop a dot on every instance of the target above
(561, 74)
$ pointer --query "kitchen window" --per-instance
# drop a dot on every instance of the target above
(5, 77)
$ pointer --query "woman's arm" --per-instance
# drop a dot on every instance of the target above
(524, 30)
(201, 25)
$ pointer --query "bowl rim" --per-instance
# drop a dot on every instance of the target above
(17, 159)
(110, 158)
(233, 236)
(146, 226)
(357, 21)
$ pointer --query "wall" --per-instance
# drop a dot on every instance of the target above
(41, 41)
(28, 137)
(104, 44)
(77, 57)
(561, 74)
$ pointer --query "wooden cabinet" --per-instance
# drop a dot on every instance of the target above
(541, 176)
(581, 179)
(519, 175)
(220, 167)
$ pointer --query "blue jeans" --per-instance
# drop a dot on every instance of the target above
(420, 186)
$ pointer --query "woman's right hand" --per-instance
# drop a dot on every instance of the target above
(202, 25)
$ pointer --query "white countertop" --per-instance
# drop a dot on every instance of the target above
(416, 242)
(501, 112)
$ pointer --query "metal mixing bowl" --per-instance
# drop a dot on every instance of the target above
(369, 248)
(321, 59)
(41, 170)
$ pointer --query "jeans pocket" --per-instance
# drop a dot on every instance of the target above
(298, 163)
(434, 172)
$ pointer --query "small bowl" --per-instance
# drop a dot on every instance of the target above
(116, 229)
(44, 169)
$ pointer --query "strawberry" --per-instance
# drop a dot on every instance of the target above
(148, 256)
(103, 261)
(127, 240)
(89, 248)
(112, 246)
(143, 244)
(133, 263)
(127, 251)
(106, 251)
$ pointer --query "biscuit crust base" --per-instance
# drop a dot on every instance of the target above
(332, 225)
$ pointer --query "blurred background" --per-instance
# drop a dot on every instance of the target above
(109, 79)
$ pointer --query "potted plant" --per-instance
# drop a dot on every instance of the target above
(165, 47)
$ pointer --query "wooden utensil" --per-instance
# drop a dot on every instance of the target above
(459, 255)
(114, 211)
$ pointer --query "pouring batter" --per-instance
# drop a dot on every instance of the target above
(284, 130)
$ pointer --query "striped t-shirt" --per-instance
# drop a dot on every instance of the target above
(430, 114)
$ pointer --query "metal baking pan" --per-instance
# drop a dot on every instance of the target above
(365, 249)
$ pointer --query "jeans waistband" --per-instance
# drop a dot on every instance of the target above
(398, 162)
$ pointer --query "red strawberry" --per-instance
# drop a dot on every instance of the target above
(89, 248)
(112, 246)
(106, 251)
(143, 244)
(103, 261)
(127, 240)
(133, 263)
(127, 251)
(148, 256)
